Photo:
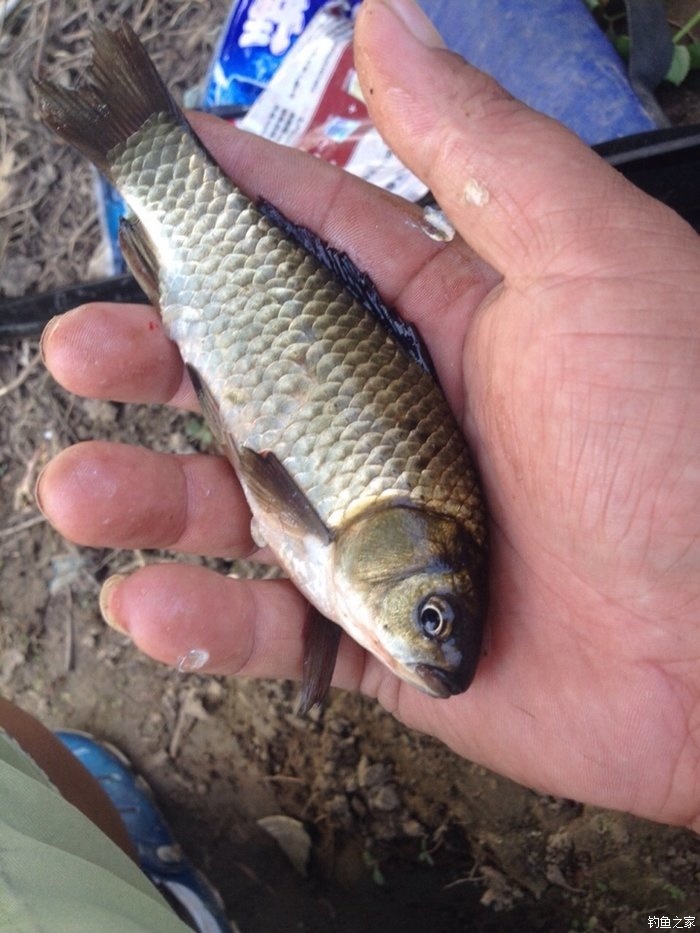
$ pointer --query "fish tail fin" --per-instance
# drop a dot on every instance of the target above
(121, 90)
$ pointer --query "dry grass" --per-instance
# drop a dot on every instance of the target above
(48, 225)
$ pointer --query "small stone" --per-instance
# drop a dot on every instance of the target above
(413, 829)
(339, 809)
(370, 775)
(291, 836)
(385, 799)
(358, 806)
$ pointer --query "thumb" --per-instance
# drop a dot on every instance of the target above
(523, 190)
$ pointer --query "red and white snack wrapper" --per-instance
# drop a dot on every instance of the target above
(314, 102)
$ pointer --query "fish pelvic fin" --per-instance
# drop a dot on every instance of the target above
(140, 253)
(321, 641)
(120, 91)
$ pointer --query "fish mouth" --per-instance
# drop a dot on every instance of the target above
(441, 683)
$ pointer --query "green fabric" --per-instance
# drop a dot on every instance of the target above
(58, 871)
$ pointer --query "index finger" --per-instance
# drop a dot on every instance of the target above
(521, 188)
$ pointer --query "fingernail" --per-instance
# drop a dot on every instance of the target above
(45, 334)
(106, 595)
(417, 23)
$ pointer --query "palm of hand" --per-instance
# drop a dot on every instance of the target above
(588, 687)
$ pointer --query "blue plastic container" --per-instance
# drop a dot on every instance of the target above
(549, 54)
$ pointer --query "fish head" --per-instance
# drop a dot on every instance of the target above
(411, 587)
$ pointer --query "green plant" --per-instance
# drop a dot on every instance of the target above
(686, 58)
(198, 433)
(686, 55)
(424, 854)
(372, 863)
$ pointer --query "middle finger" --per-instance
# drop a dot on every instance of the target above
(101, 494)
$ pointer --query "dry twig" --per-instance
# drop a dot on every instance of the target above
(21, 377)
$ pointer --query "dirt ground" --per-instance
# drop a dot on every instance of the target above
(404, 835)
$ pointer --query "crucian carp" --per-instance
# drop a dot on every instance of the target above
(324, 400)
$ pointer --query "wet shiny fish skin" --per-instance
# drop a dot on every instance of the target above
(295, 364)
(290, 364)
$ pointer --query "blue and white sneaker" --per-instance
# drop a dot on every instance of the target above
(189, 893)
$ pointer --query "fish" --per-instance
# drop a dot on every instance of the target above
(323, 398)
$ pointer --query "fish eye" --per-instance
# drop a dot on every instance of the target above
(436, 616)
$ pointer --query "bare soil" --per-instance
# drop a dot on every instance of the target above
(404, 835)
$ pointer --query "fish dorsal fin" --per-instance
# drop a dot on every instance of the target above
(273, 486)
(321, 640)
(139, 252)
(358, 283)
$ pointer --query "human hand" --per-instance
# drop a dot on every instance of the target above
(574, 369)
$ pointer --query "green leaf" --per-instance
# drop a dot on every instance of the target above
(622, 44)
(694, 52)
(680, 65)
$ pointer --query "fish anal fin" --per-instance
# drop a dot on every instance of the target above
(139, 252)
(357, 282)
(321, 640)
(276, 490)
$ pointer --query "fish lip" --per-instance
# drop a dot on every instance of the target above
(441, 683)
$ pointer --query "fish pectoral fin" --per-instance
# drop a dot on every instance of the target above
(140, 254)
(275, 489)
(263, 474)
(321, 640)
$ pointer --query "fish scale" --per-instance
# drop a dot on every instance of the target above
(355, 469)
(243, 342)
